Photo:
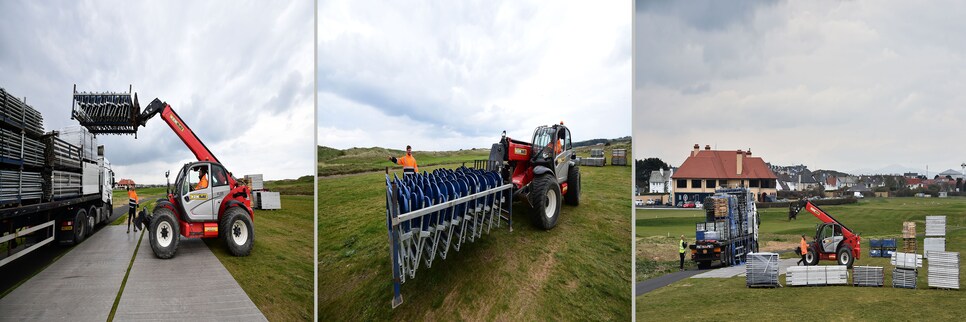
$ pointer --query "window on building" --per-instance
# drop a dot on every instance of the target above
(753, 183)
(682, 184)
(695, 183)
(768, 183)
(710, 184)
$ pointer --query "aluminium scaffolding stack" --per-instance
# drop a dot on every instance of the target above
(21, 152)
(943, 270)
(867, 276)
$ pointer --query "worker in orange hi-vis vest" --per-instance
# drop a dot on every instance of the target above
(202, 179)
(803, 250)
(133, 201)
(407, 161)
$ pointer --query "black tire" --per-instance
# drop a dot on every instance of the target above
(108, 212)
(165, 233)
(704, 265)
(92, 219)
(238, 231)
(544, 187)
(844, 256)
(573, 186)
(811, 258)
(80, 226)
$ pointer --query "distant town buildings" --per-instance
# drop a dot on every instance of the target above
(706, 170)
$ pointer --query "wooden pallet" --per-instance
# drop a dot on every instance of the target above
(909, 245)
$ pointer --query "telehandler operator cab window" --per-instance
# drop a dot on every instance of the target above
(198, 177)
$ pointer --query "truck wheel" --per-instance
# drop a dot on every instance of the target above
(108, 212)
(811, 258)
(165, 233)
(545, 200)
(845, 256)
(573, 186)
(238, 231)
(92, 218)
(704, 265)
(80, 226)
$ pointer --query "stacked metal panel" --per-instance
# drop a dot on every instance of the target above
(17, 146)
(267, 200)
(596, 158)
(17, 113)
(943, 270)
(63, 184)
(867, 276)
(618, 157)
(255, 181)
(907, 260)
(60, 154)
(762, 269)
(935, 226)
(17, 186)
(80, 137)
(933, 244)
(107, 112)
(904, 278)
(817, 275)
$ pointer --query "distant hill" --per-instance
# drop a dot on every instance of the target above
(601, 141)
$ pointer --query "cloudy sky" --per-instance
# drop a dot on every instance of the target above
(845, 85)
(240, 73)
(444, 75)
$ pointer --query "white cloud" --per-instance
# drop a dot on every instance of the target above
(445, 76)
(240, 73)
(840, 85)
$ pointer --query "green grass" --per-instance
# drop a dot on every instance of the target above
(358, 160)
(303, 186)
(278, 274)
(877, 217)
(579, 270)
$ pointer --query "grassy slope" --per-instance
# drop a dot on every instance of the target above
(577, 271)
(278, 274)
(358, 160)
(879, 217)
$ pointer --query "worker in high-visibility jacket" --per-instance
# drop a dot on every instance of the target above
(803, 250)
(202, 179)
(682, 246)
(407, 161)
(133, 201)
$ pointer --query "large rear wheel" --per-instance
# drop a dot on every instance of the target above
(573, 186)
(80, 226)
(545, 200)
(238, 231)
(165, 233)
(811, 258)
(845, 256)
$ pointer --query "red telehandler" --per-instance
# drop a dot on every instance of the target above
(833, 241)
(206, 200)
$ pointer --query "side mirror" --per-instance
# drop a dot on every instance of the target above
(573, 156)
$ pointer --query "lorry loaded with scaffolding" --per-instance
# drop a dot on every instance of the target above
(54, 186)
(429, 213)
(730, 229)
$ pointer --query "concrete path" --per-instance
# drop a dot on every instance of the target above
(193, 285)
(80, 286)
(739, 270)
(661, 281)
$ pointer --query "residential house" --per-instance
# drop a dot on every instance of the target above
(706, 170)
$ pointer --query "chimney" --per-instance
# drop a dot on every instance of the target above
(740, 161)
(707, 147)
(696, 148)
(748, 152)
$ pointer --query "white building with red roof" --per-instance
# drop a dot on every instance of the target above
(706, 170)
